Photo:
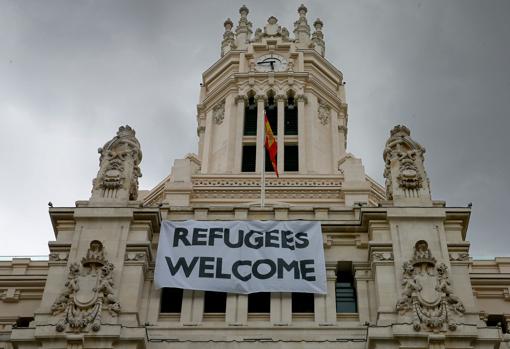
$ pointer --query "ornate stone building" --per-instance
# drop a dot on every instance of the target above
(399, 273)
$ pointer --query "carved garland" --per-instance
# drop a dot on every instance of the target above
(89, 289)
(427, 292)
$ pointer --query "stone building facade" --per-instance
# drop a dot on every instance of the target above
(399, 274)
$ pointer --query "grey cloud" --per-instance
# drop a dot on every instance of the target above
(72, 72)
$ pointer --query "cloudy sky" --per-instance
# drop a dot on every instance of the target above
(71, 72)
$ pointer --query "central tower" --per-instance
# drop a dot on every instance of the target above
(269, 71)
(288, 78)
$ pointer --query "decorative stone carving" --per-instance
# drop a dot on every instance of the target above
(10, 295)
(219, 113)
(301, 27)
(404, 172)
(257, 37)
(243, 29)
(134, 256)
(459, 256)
(427, 292)
(382, 256)
(323, 113)
(228, 42)
(318, 37)
(285, 35)
(272, 28)
(58, 256)
(88, 290)
(118, 174)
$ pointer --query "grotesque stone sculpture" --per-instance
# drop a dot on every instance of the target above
(88, 290)
(406, 179)
(117, 179)
(427, 292)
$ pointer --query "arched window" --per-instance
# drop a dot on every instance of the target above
(250, 117)
(291, 116)
(272, 113)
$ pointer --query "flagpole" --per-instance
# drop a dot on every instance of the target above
(263, 176)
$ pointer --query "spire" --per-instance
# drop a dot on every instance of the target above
(318, 37)
(243, 30)
(406, 180)
(301, 28)
(228, 42)
(117, 178)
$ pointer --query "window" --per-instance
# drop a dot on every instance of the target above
(249, 156)
(250, 118)
(345, 292)
(23, 322)
(303, 302)
(272, 114)
(171, 300)
(215, 302)
(497, 320)
(259, 302)
(291, 160)
(291, 117)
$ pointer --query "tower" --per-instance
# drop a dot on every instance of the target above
(303, 95)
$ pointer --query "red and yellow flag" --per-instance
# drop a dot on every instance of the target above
(271, 144)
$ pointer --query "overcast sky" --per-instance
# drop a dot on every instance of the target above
(71, 72)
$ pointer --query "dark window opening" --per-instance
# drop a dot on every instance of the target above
(259, 302)
(215, 302)
(171, 300)
(23, 322)
(250, 118)
(291, 117)
(291, 159)
(268, 163)
(249, 157)
(497, 320)
(272, 115)
(303, 302)
(345, 292)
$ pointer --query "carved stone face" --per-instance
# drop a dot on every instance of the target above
(409, 177)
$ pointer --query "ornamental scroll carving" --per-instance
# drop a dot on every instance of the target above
(119, 169)
(427, 292)
(88, 290)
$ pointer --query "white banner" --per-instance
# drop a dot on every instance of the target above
(241, 256)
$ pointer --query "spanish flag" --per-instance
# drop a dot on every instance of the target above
(271, 144)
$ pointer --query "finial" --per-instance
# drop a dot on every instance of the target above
(302, 10)
(272, 20)
(244, 10)
(400, 130)
(228, 24)
(318, 24)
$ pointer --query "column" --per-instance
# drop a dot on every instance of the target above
(361, 278)
(325, 305)
(260, 131)
(280, 100)
(335, 141)
(281, 308)
(301, 133)
(237, 309)
(238, 151)
(207, 142)
(192, 309)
